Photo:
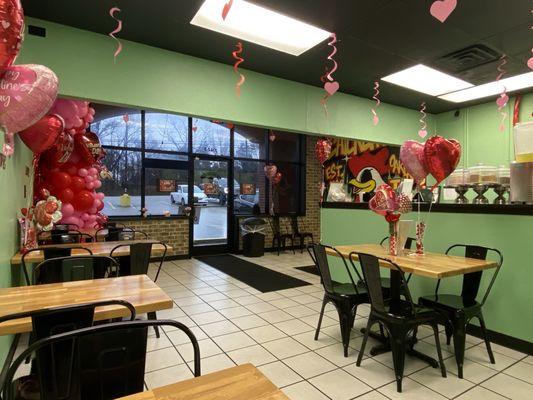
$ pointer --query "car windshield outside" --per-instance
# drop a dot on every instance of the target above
(197, 189)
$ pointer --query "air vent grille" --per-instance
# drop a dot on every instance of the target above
(467, 58)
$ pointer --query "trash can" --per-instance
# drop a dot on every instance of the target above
(253, 237)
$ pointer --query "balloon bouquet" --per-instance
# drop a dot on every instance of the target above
(70, 168)
(438, 157)
(388, 203)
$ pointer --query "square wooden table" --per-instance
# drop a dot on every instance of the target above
(432, 265)
(244, 382)
(139, 290)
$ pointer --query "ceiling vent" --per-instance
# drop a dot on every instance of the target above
(468, 58)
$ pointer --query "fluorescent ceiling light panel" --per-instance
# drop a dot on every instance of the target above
(258, 25)
(517, 82)
(427, 80)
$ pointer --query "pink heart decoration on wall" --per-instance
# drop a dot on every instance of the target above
(331, 87)
(441, 9)
(502, 100)
(27, 92)
(422, 133)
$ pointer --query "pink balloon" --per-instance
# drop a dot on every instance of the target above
(67, 210)
(97, 183)
(97, 203)
(82, 172)
(67, 109)
(83, 108)
(412, 157)
(93, 210)
(93, 217)
(27, 93)
(100, 195)
(89, 186)
(93, 171)
(89, 118)
(91, 111)
(85, 217)
(88, 178)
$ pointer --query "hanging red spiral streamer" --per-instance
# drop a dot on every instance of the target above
(226, 8)
(239, 61)
(378, 102)
(423, 125)
(503, 99)
(112, 12)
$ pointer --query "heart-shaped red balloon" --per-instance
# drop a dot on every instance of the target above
(441, 157)
(42, 135)
(89, 147)
(12, 28)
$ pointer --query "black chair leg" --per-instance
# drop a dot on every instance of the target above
(459, 341)
(153, 316)
(398, 345)
(486, 337)
(324, 302)
(345, 320)
(439, 351)
(363, 344)
(448, 328)
(292, 244)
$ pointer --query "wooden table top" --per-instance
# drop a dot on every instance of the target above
(98, 249)
(244, 382)
(139, 290)
(433, 265)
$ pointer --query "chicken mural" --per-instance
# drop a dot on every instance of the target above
(356, 168)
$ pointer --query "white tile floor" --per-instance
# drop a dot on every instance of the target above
(236, 324)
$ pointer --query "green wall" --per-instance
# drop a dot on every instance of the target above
(12, 182)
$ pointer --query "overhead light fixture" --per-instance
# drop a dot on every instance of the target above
(426, 80)
(256, 24)
(517, 82)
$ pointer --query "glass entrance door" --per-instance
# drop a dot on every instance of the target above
(211, 194)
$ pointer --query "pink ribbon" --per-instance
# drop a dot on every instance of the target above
(112, 12)
(239, 60)
(423, 128)
(503, 99)
(332, 43)
(378, 102)
(330, 85)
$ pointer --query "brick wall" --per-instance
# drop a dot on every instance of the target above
(175, 232)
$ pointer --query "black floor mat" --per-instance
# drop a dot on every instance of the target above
(310, 269)
(254, 275)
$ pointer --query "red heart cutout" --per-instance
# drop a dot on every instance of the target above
(42, 135)
(441, 9)
(441, 157)
(331, 87)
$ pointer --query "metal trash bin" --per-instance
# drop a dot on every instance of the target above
(253, 237)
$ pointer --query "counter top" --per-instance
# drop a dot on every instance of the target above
(509, 209)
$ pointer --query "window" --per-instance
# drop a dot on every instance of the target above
(211, 138)
(150, 157)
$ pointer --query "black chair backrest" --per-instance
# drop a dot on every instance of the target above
(139, 258)
(274, 225)
(74, 268)
(319, 256)
(408, 243)
(108, 361)
(370, 265)
(472, 280)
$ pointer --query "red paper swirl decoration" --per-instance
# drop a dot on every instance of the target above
(503, 99)
(112, 12)
(239, 61)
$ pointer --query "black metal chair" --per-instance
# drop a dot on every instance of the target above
(385, 282)
(344, 296)
(397, 319)
(48, 252)
(108, 361)
(74, 268)
(138, 262)
(119, 233)
(300, 235)
(460, 309)
(279, 237)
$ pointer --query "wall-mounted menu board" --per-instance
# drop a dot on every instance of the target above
(356, 168)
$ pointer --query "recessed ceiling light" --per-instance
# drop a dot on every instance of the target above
(256, 24)
(427, 80)
(517, 82)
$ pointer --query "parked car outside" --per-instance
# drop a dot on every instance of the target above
(181, 195)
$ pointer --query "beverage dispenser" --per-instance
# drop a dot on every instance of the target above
(522, 168)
